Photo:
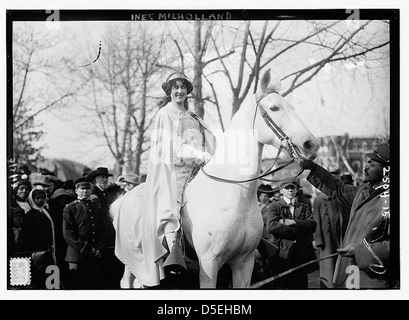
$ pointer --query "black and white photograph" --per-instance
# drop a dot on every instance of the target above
(216, 153)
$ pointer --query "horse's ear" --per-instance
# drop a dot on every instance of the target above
(270, 82)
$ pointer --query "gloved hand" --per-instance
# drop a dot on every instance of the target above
(307, 164)
(205, 157)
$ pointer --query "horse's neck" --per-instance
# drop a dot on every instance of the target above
(238, 154)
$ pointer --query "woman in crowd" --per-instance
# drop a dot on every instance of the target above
(38, 235)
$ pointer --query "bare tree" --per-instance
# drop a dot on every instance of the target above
(262, 45)
(39, 85)
(121, 90)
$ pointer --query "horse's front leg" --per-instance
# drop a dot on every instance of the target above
(127, 279)
(242, 269)
(208, 280)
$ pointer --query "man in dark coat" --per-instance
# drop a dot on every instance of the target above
(112, 269)
(332, 219)
(85, 231)
(292, 226)
(365, 246)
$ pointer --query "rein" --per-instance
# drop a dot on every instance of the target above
(285, 143)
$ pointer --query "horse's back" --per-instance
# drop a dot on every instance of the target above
(126, 216)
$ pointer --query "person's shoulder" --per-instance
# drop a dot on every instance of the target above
(94, 198)
(274, 205)
(71, 204)
(169, 111)
(30, 213)
(305, 206)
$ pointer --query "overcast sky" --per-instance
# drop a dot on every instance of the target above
(337, 101)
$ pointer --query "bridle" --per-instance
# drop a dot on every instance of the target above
(286, 143)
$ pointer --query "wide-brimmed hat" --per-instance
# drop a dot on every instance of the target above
(380, 154)
(290, 183)
(101, 171)
(61, 192)
(86, 171)
(52, 178)
(166, 86)
(23, 183)
(120, 179)
(265, 188)
(39, 179)
(132, 178)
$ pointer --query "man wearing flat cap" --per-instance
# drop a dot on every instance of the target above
(85, 231)
(366, 241)
(292, 225)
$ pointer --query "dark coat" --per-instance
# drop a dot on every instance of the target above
(84, 228)
(56, 213)
(295, 239)
(37, 231)
(332, 219)
(366, 217)
(13, 246)
(105, 197)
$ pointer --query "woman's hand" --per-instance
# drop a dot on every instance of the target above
(204, 157)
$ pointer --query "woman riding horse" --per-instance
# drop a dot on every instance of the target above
(179, 144)
(219, 211)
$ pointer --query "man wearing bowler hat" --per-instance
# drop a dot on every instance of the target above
(264, 193)
(100, 178)
(112, 268)
(366, 242)
(85, 231)
(292, 225)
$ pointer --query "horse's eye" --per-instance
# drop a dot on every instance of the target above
(275, 108)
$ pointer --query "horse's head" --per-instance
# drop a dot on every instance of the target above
(284, 117)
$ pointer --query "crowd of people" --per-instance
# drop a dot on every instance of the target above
(67, 224)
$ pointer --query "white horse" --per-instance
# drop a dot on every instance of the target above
(221, 219)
